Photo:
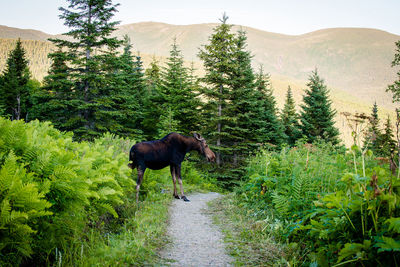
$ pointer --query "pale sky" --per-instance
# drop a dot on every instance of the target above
(280, 16)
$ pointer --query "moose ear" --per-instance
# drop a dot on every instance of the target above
(197, 136)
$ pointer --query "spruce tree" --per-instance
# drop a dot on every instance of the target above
(243, 100)
(177, 92)
(152, 101)
(388, 144)
(373, 135)
(129, 77)
(91, 57)
(317, 115)
(290, 119)
(14, 89)
(268, 126)
(218, 66)
(54, 101)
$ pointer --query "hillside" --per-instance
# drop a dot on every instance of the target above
(352, 59)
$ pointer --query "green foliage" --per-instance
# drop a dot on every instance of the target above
(60, 199)
(97, 89)
(14, 89)
(217, 60)
(22, 204)
(338, 217)
(290, 119)
(179, 103)
(43, 172)
(317, 116)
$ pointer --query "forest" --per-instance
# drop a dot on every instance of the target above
(294, 193)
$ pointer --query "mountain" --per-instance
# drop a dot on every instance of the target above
(355, 62)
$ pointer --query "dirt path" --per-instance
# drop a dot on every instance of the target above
(195, 240)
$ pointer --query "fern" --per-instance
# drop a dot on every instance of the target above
(281, 203)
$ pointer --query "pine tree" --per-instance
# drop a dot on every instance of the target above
(268, 127)
(290, 119)
(91, 56)
(217, 61)
(387, 141)
(14, 90)
(317, 115)
(177, 92)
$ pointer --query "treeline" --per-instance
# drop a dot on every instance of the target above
(92, 88)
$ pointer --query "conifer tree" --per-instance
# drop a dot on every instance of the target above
(152, 101)
(373, 136)
(290, 119)
(14, 89)
(317, 115)
(268, 127)
(177, 93)
(243, 100)
(217, 61)
(54, 101)
(130, 79)
(91, 57)
(388, 144)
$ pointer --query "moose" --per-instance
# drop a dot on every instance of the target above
(168, 151)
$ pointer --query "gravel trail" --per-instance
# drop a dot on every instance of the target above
(195, 240)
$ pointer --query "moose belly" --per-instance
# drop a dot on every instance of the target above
(157, 165)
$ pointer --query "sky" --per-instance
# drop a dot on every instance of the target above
(281, 16)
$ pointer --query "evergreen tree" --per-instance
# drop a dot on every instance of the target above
(388, 144)
(54, 101)
(395, 87)
(152, 101)
(130, 79)
(243, 101)
(217, 61)
(91, 57)
(14, 90)
(268, 127)
(290, 119)
(317, 115)
(373, 136)
(177, 93)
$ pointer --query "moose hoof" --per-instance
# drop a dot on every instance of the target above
(185, 199)
(176, 196)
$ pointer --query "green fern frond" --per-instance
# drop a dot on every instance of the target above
(281, 203)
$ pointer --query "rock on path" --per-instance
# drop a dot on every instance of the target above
(195, 240)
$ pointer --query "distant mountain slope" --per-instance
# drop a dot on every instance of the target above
(355, 63)
(354, 59)
(25, 34)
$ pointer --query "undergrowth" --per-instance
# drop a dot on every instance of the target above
(68, 203)
(315, 203)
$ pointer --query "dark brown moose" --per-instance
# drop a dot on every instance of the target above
(168, 151)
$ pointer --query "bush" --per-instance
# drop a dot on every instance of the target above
(331, 213)
(71, 187)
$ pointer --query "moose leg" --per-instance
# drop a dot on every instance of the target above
(140, 173)
(173, 174)
(178, 170)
